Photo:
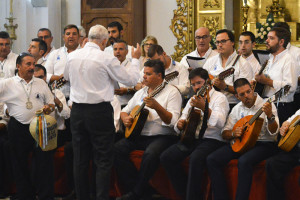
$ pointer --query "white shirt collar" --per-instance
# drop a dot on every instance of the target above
(207, 53)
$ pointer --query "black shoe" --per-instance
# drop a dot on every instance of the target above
(128, 196)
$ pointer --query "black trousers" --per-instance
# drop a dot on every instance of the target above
(129, 177)
(277, 167)
(285, 110)
(92, 126)
(42, 181)
(188, 186)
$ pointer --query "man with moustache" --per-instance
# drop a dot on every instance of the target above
(24, 95)
(46, 35)
(224, 60)
(246, 45)
(37, 48)
(280, 71)
(115, 31)
(203, 50)
(57, 60)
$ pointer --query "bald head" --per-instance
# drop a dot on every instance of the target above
(202, 39)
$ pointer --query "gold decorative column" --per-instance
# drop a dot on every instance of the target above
(245, 9)
(11, 28)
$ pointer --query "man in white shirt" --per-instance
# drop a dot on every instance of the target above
(92, 74)
(203, 50)
(124, 93)
(203, 141)
(264, 147)
(181, 82)
(37, 48)
(46, 35)
(280, 71)
(226, 59)
(246, 45)
(57, 60)
(24, 95)
(115, 31)
(279, 166)
(7, 57)
(156, 135)
(295, 53)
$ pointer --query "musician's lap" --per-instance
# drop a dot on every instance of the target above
(218, 159)
(277, 167)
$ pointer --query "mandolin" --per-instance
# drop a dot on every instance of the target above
(194, 118)
(259, 87)
(251, 126)
(292, 136)
(140, 114)
(222, 76)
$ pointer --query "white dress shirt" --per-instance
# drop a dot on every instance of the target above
(219, 107)
(117, 111)
(242, 70)
(169, 98)
(209, 53)
(282, 70)
(43, 59)
(295, 53)
(64, 114)
(239, 111)
(92, 74)
(110, 50)
(55, 65)
(13, 94)
(254, 63)
(8, 66)
(123, 99)
(181, 82)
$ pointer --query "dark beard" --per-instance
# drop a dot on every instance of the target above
(273, 49)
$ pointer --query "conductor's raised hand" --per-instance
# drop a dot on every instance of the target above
(136, 53)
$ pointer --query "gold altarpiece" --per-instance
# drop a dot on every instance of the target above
(191, 14)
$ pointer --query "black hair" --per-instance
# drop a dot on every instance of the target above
(157, 66)
(42, 44)
(115, 24)
(155, 48)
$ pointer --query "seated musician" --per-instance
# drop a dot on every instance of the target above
(278, 166)
(187, 186)
(226, 59)
(157, 134)
(264, 147)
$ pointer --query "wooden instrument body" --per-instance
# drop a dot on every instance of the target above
(249, 136)
(139, 120)
(259, 87)
(192, 122)
(292, 137)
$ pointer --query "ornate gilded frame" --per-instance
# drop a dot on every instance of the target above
(191, 14)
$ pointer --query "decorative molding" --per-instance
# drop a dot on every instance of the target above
(182, 26)
(212, 23)
(211, 3)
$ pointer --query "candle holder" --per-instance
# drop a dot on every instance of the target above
(11, 28)
(245, 9)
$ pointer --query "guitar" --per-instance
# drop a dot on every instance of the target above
(292, 136)
(222, 76)
(140, 113)
(57, 84)
(259, 87)
(194, 117)
(251, 126)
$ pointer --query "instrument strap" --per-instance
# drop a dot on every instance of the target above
(237, 58)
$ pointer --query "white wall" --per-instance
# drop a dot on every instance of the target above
(158, 20)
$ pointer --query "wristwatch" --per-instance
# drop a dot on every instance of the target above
(272, 119)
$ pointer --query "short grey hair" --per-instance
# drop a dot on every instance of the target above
(81, 31)
(98, 32)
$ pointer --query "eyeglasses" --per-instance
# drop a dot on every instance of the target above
(201, 37)
(148, 44)
(4, 44)
(44, 37)
(221, 42)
